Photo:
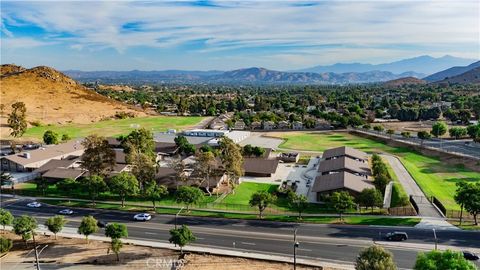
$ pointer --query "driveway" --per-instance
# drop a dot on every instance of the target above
(426, 209)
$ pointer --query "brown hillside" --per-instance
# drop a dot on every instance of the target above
(404, 81)
(52, 97)
(469, 77)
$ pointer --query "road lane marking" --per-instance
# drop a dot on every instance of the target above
(239, 225)
(150, 233)
(248, 243)
(304, 249)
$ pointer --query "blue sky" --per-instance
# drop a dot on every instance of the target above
(207, 35)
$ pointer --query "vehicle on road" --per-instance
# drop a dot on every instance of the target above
(396, 236)
(102, 224)
(34, 205)
(65, 212)
(142, 217)
(470, 255)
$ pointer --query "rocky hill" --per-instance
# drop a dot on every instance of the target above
(52, 97)
(453, 71)
(404, 82)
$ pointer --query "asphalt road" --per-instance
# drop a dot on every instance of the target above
(333, 243)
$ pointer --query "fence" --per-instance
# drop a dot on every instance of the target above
(456, 215)
(402, 211)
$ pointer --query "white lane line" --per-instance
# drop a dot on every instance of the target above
(304, 249)
(239, 225)
(248, 243)
(286, 229)
(200, 238)
(150, 233)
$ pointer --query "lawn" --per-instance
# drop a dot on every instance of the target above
(434, 177)
(244, 192)
(116, 127)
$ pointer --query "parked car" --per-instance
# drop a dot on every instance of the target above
(65, 212)
(396, 236)
(102, 224)
(34, 205)
(142, 217)
(470, 255)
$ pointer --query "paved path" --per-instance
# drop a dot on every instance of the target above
(426, 209)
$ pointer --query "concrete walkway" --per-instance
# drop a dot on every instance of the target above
(426, 209)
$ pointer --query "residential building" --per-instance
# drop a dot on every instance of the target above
(297, 125)
(268, 125)
(239, 125)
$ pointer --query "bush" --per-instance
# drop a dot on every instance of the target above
(5, 244)
(36, 123)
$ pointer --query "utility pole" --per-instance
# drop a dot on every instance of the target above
(176, 216)
(435, 235)
(295, 246)
(36, 252)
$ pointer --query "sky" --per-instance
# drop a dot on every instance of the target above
(225, 35)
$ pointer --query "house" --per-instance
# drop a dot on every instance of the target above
(283, 124)
(291, 157)
(167, 176)
(342, 181)
(255, 125)
(297, 125)
(58, 174)
(30, 160)
(165, 149)
(239, 125)
(260, 167)
(268, 125)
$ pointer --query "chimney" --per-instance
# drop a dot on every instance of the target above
(26, 155)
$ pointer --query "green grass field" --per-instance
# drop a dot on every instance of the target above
(116, 127)
(245, 190)
(434, 177)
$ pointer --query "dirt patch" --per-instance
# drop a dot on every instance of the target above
(76, 253)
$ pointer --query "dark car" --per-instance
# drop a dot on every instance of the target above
(396, 236)
(470, 256)
(102, 224)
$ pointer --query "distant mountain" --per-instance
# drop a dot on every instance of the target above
(451, 72)
(404, 81)
(470, 77)
(422, 64)
(246, 75)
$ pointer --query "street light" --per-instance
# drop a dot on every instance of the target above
(295, 246)
(435, 235)
(176, 216)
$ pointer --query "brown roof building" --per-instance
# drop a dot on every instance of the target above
(342, 181)
(344, 164)
(345, 151)
(30, 160)
(259, 167)
(168, 177)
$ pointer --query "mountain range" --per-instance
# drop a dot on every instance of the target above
(451, 72)
(422, 64)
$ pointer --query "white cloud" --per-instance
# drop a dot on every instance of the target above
(357, 27)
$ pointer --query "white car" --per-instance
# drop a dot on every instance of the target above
(65, 212)
(142, 217)
(34, 204)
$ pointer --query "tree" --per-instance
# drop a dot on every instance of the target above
(124, 184)
(181, 237)
(17, 120)
(232, 160)
(440, 260)
(439, 129)
(474, 132)
(261, 199)
(50, 137)
(375, 258)
(423, 135)
(457, 132)
(42, 185)
(298, 202)
(341, 202)
(94, 185)
(155, 192)
(99, 157)
(472, 203)
(390, 132)
(461, 196)
(139, 141)
(184, 146)
(116, 231)
(142, 167)
(381, 181)
(67, 185)
(55, 224)
(370, 197)
(188, 195)
(6, 218)
(5, 244)
(205, 164)
(378, 128)
(405, 134)
(66, 137)
(24, 226)
(88, 226)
